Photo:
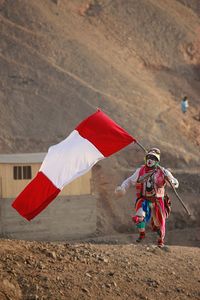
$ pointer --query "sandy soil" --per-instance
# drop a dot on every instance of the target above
(108, 270)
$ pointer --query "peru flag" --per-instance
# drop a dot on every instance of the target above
(93, 139)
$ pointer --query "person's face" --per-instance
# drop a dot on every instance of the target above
(151, 161)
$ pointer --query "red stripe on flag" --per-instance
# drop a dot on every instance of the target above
(107, 136)
(35, 197)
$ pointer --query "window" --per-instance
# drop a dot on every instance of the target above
(22, 172)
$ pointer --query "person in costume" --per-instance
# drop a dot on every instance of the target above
(184, 104)
(152, 203)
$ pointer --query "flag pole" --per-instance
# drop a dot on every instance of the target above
(173, 188)
(140, 145)
(177, 195)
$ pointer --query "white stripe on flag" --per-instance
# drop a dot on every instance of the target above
(69, 159)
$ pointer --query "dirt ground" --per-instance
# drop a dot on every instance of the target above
(104, 268)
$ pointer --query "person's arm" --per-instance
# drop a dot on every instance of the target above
(171, 178)
(121, 190)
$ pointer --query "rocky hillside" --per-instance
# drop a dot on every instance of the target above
(60, 60)
(92, 271)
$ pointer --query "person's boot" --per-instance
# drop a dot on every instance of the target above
(161, 243)
(141, 237)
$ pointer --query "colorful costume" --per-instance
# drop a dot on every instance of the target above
(150, 180)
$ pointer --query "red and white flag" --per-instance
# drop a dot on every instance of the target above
(93, 139)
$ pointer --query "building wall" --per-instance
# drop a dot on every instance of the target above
(69, 217)
(10, 188)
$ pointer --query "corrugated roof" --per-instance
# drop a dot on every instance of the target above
(22, 158)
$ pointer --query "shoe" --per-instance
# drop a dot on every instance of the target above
(139, 240)
(141, 237)
(160, 243)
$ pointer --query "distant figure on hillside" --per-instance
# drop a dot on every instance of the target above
(152, 203)
(184, 104)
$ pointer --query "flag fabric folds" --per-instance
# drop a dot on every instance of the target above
(93, 139)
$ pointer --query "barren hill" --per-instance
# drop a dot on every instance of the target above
(59, 61)
(133, 59)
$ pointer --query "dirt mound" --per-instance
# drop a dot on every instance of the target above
(97, 271)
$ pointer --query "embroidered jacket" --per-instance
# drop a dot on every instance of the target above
(153, 185)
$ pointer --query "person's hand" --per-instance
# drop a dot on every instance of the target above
(119, 191)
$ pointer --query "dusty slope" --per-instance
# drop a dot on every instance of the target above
(89, 271)
(133, 59)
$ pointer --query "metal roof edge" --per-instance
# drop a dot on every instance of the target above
(22, 158)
